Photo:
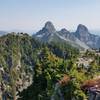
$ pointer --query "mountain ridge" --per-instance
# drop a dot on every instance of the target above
(83, 34)
(2, 32)
(48, 35)
(80, 38)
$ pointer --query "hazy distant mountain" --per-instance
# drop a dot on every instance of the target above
(85, 36)
(49, 34)
(82, 38)
(2, 33)
(96, 32)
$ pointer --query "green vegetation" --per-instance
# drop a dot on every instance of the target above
(22, 56)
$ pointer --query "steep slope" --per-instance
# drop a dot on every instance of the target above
(19, 54)
(49, 34)
(74, 41)
(17, 60)
(85, 36)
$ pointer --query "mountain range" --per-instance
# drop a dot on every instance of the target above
(2, 33)
(81, 38)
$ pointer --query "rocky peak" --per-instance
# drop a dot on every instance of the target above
(49, 27)
(82, 29)
(47, 30)
(64, 31)
(82, 33)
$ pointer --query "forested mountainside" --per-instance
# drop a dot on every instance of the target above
(17, 52)
(61, 79)
(18, 56)
(31, 70)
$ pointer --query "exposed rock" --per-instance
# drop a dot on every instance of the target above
(49, 34)
(82, 33)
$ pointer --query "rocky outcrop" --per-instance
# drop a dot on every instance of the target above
(83, 34)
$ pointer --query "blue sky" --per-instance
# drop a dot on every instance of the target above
(32, 14)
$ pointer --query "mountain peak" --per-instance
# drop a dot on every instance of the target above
(47, 30)
(82, 33)
(82, 28)
(50, 27)
(64, 30)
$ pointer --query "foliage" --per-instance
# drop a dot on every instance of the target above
(48, 63)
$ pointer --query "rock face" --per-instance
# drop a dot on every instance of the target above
(49, 34)
(82, 38)
(65, 33)
(47, 31)
(16, 67)
(49, 27)
(82, 33)
(85, 36)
